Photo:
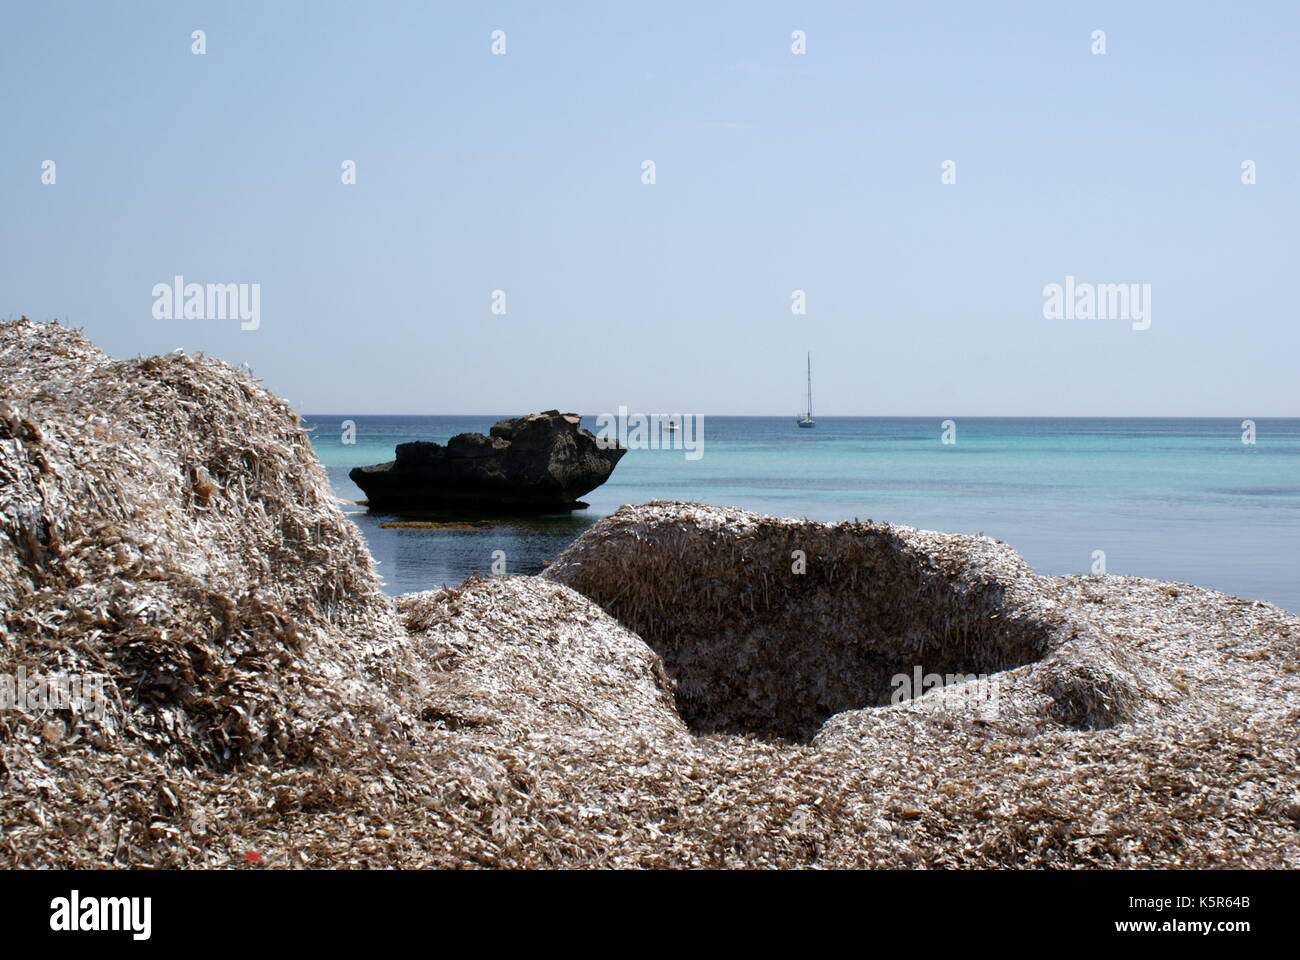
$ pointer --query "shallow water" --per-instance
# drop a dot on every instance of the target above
(1177, 499)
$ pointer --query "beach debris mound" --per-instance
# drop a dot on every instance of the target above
(540, 463)
(771, 626)
(166, 526)
(180, 595)
(556, 662)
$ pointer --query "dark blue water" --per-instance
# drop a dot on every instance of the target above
(1176, 499)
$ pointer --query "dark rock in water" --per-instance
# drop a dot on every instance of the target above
(541, 463)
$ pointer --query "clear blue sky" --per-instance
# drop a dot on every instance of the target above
(775, 172)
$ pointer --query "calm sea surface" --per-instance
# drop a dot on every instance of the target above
(1181, 499)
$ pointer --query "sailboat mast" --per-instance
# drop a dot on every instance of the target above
(806, 418)
(810, 384)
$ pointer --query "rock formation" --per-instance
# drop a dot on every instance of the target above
(541, 463)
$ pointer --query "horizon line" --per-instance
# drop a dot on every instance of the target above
(854, 416)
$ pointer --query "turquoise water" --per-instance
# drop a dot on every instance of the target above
(1181, 500)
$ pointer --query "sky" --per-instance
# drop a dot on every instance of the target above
(774, 171)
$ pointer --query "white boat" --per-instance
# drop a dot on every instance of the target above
(806, 419)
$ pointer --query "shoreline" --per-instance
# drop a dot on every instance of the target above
(1195, 505)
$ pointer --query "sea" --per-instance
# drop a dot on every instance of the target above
(1187, 500)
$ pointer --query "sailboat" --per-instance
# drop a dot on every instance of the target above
(806, 420)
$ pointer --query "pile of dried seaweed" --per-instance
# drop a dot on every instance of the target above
(771, 626)
(164, 525)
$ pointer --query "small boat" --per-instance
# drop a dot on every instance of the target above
(806, 419)
(671, 424)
